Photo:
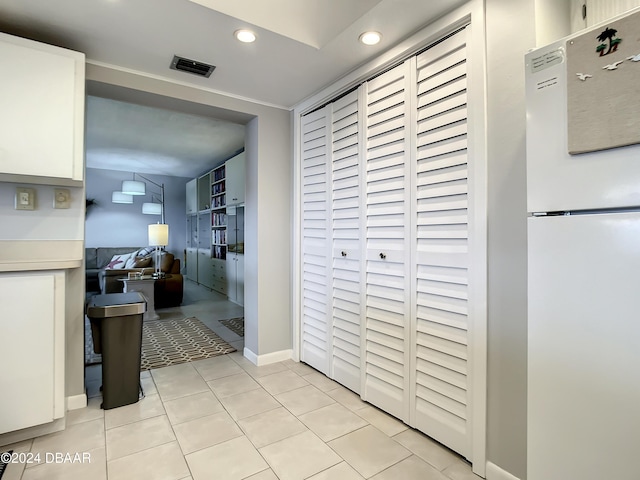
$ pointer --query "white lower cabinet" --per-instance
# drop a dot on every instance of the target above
(384, 242)
(205, 268)
(32, 349)
(235, 278)
(192, 264)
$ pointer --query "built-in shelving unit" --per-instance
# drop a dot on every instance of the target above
(212, 231)
(218, 214)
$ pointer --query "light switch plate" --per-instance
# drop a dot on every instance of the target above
(25, 198)
(61, 198)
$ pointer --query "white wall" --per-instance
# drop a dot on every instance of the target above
(510, 32)
(45, 222)
(553, 17)
(122, 225)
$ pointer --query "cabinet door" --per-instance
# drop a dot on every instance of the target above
(31, 349)
(316, 247)
(386, 382)
(42, 114)
(204, 192)
(205, 269)
(345, 186)
(192, 196)
(231, 271)
(235, 179)
(239, 279)
(192, 264)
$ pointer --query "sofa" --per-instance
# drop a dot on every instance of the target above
(104, 269)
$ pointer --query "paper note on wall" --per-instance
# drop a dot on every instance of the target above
(603, 87)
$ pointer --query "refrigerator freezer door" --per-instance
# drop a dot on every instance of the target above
(584, 347)
(557, 181)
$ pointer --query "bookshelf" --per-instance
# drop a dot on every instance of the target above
(218, 213)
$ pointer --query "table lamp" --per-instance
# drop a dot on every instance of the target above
(158, 237)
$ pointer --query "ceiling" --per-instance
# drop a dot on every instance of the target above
(125, 136)
(301, 47)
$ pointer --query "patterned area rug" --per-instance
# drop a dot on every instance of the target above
(236, 325)
(90, 358)
(170, 342)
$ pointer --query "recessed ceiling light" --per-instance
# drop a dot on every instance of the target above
(245, 36)
(370, 38)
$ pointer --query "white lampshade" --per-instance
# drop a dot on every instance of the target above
(133, 187)
(158, 234)
(152, 208)
(119, 197)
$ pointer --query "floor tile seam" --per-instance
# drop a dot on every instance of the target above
(79, 422)
(402, 460)
(134, 421)
(299, 388)
(314, 434)
(339, 436)
(24, 469)
(307, 429)
(304, 413)
(217, 378)
(104, 436)
(182, 396)
(175, 436)
(212, 445)
(407, 427)
(269, 466)
(143, 450)
(376, 473)
(436, 443)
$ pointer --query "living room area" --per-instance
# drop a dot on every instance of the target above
(140, 160)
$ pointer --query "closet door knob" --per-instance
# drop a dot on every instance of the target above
(343, 253)
(383, 256)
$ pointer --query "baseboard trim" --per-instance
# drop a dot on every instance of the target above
(267, 358)
(494, 472)
(76, 402)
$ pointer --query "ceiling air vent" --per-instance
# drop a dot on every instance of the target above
(191, 66)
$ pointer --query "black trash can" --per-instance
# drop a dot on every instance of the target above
(116, 328)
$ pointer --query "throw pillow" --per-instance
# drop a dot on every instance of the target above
(142, 262)
(118, 261)
(146, 251)
(131, 260)
(166, 262)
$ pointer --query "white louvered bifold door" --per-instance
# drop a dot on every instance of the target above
(386, 332)
(346, 241)
(316, 248)
(439, 380)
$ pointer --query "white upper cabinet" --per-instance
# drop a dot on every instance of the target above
(42, 113)
(192, 196)
(235, 179)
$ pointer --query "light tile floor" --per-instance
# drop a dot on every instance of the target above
(224, 418)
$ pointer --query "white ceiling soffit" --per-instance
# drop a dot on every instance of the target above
(144, 35)
(125, 136)
(312, 22)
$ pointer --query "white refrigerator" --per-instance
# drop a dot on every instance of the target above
(583, 289)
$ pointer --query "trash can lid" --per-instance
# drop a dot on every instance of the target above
(116, 305)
